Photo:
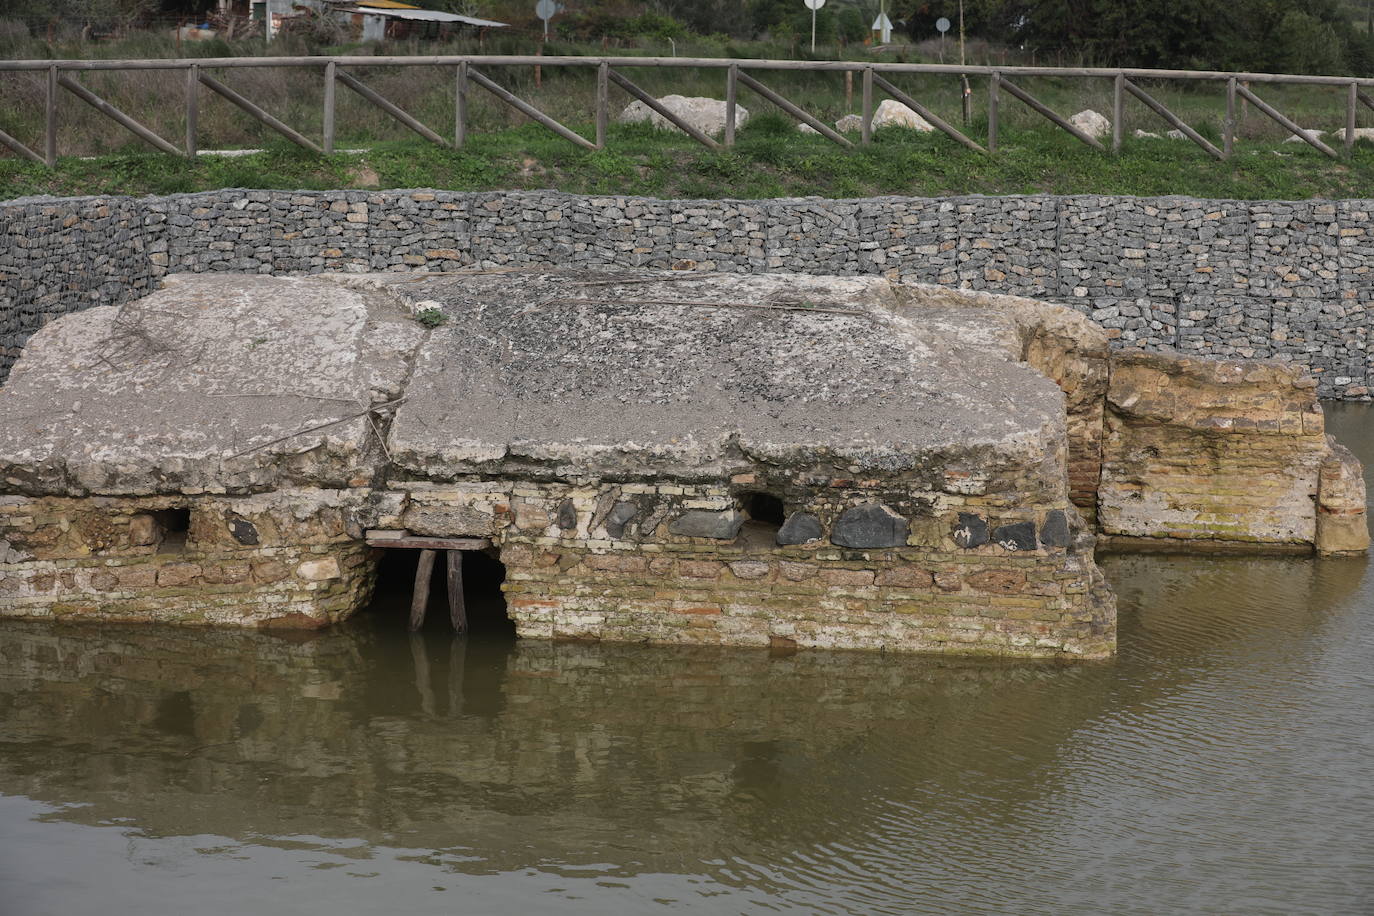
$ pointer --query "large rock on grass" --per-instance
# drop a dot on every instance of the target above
(706, 115)
(894, 114)
(1092, 123)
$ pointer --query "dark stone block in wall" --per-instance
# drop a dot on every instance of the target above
(869, 526)
(1055, 530)
(971, 531)
(567, 515)
(244, 531)
(1017, 536)
(799, 528)
(703, 523)
(620, 517)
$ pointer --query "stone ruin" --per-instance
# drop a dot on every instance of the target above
(686, 458)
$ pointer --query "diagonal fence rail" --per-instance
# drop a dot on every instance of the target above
(879, 76)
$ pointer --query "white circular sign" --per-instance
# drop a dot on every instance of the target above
(814, 4)
(545, 9)
(942, 25)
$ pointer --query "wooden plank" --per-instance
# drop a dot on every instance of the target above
(329, 106)
(192, 110)
(1173, 119)
(114, 114)
(663, 110)
(419, 600)
(214, 85)
(820, 127)
(603, 103)
(934, 119)
(1046, 111)
(394, 110)
(1118, 111)
(731, 103)
(527, 109)
(50, 120)
(1282, 119)
(994, 102)
(20, 148)
(866, 116)
(412, 542)
(457, 605)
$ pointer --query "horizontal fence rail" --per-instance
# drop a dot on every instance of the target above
(876, 75)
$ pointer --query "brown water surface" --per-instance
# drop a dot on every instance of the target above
(1224, 763)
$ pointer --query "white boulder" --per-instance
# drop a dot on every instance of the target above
(1146, 135)
(1176, 134)
(1091, 123)
(706, 115)
(1361, 133)
(1294, 138)
(892, 113)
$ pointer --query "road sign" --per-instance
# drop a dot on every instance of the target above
(813, 5)
(883, 26)
(942, 25)
(545, 10)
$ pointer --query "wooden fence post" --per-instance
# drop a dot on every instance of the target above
(1351, 101)
(603, 102)
(1118, 110)
(994, 99)
(192, 108)
(866, 126)
(1228, 136)
(329, 108)
(460, 106)
(731, 95)
(50, 121)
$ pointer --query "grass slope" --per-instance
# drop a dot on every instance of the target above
(770, 159)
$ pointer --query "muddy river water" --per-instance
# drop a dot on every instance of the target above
(1223, 763)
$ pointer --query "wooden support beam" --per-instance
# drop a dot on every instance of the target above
(20, 148)
(419, 601)
(527, 109)
(114, 114)
(192, 110)
(1173, 119)
(663, 110)
(994, 102)
(731, 103)
(405, 541)
(50, 120)
(457, 606)
(386, 105)
(215, 86)
(1040, 107)
(934, 119)
(820, 127)
(603, 103)
(1282, 119)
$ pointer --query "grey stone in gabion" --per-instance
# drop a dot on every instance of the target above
(869, 526)
(703, 523)
(800, 528)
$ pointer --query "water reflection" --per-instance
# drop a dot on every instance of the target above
(1223, 763)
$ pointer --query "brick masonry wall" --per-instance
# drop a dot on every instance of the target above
(1248, 279)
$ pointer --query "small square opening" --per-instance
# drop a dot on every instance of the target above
(174, 526)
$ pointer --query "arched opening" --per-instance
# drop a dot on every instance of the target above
(483, 602)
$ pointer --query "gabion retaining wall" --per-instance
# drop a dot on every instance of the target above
(1288, 279)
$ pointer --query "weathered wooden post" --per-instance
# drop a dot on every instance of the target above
(603, 102)
(1351, 101)
(457, 606)
(460, 106)
(192, 108)
(329, 108)
(866, 118)
(1118, 110)
(1228, 135)
(419, 601)
(994, 99)
(50, 121)
(731, 94)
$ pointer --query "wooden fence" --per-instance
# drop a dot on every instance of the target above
(467, 73)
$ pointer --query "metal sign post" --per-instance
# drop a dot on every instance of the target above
(813, 5)
(942, 26)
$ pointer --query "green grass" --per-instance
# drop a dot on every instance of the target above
(769, 160)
